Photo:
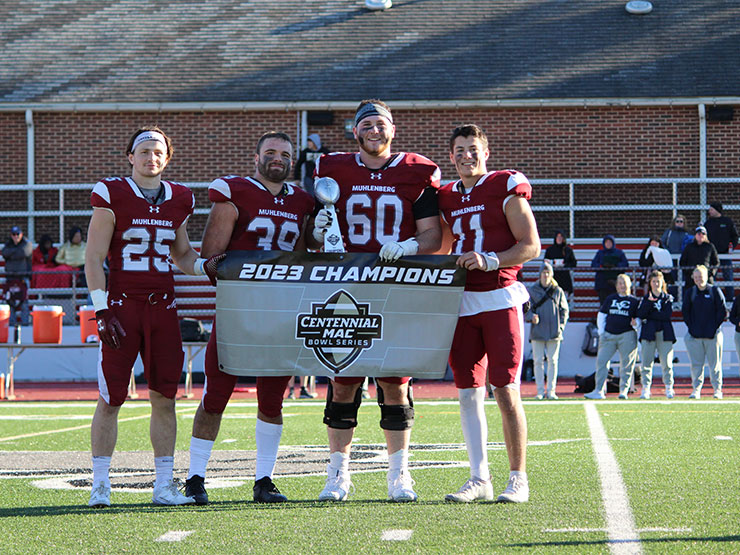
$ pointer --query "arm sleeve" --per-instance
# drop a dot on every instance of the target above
(427, 204)
(601, 323)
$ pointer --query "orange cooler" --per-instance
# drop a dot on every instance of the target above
(4, 321)
(88, 324)
(47, 324)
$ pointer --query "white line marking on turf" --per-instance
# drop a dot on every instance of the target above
(174, 536)
(620, 524)
(396, 535)
(723, 438)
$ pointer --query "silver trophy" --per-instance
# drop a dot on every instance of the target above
(327, 193)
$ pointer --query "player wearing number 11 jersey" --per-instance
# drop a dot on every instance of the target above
(139, 225)
(494, 234)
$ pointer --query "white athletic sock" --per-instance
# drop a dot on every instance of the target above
(398, 462)
(200, 452)
(101, 470)
(163, 468)
(268, 440)
(339, 462)
(475, 430)
(520, 473)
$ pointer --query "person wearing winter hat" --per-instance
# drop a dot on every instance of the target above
(723, 235)
(548, 314)
(307, 161)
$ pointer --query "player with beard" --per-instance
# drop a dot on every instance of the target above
(388, 205)
(235, 223)
(139, 224)
(494, 233)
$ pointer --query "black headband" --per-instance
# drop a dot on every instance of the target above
(371, 109)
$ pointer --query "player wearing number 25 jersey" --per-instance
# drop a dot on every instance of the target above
(494, 234)
(139, 225)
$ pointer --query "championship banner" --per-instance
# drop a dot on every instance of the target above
(336, 314)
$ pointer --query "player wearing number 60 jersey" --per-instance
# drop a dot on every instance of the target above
(249, 213)
(387, 204)
(494, 234)
(139, 224)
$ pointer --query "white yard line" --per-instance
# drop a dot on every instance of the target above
(620, 524)
(396, 535)
(174, 536)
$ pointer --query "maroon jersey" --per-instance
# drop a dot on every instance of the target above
(478, 222)
(378, 206)
(139, 252)
(265, 221)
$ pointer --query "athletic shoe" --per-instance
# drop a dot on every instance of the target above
(366, 394)
(595, 395)
(696, 394)
(194, 488)
(670, 394)
(539, 396)
(718, 394)
(168, 494)
(401, 487)
(337, 487)
(474, 489)
(552, 397)
(100, 496)
(491, 394)
(306, 395)
(645, 394)
(291, 395)
(264, 491)
(517, 491)
(622, 396)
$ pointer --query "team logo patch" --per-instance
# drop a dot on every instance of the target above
(154, 209)
(339, 329)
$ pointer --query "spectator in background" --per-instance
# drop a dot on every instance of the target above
(44, 266)
(735, 319)
(307, 161)
(655, 255)
(722, 234)
(72, 254)
(548, 313)
(608, 262)
(616, 322)
(17, 253)
(43, 255)
(675, 238)
(704, 311)
(655, 310)
(561, 257)
(699, 252)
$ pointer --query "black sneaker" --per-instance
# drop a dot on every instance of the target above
(194, 488)
(266, 492)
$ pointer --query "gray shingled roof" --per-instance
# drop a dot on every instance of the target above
(331, 50)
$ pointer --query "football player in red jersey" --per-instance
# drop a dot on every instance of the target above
(249, 213)
(387, 204)
(139, 224)
(494, 233)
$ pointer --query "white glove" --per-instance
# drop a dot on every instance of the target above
(393, 250)
(491, 261)
(321, 224)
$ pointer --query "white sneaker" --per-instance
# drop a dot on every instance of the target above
(696, 394)
(670, 394)
(718, 394)
(99, 496)
(168, 494)
(401, 487)
(622, 396)
(645, 394)
(539, 396)
(517, 491)
(552, 397)
(337, 486)
(595, 395)
(473, 490)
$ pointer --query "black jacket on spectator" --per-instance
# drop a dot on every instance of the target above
(565, 253)
(703, 311)
(735, 313)
(695, 254)
(656, 316)
(721, 233)
(18, 259)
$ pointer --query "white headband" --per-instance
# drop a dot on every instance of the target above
(149, 136)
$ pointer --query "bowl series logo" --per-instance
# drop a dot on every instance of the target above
(339, 329)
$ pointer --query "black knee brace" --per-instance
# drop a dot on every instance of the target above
(341, 416)
(395, 417)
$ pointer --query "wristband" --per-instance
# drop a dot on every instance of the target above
(198, 267)
(491, 261)
(99, 299)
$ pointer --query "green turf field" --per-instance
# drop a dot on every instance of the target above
(622, 477)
